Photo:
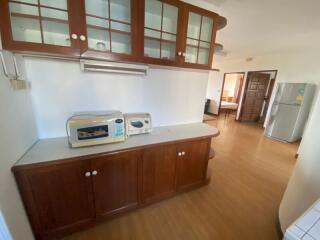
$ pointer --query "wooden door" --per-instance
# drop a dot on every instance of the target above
(109, 29)
(200, 27)
(267, 101)
(158, 172)
(159, 31)
(255, 93)
(115, 182)
(192, 163)
(58, 197)
(40, 26)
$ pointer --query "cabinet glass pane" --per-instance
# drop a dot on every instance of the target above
(56, 33)
(199, 39)
(168, 51)
(194, 25)
(204, 44)
(152, 33)
(206, 29)
(192, 42)
(29, 1)
(16, 8)
(191, 54)
(161, 20)
(98, 39)
(97, 22)
(26, 29)
(152, 48)
(97, 8)
(170, 18)
(62, 4)
(153, 10)
(120, 10)
(203, 57)
(120, 27)
(169, 37)
(51, 13)
(120, 43)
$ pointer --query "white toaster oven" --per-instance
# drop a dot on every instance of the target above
(138, 123)
(92, 128)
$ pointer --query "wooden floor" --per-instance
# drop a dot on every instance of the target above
(249, 176)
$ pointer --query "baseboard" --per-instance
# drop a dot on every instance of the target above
(211, 114)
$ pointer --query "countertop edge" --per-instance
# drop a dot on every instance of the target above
(16, 167)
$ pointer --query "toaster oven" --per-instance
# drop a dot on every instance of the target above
(92, 128)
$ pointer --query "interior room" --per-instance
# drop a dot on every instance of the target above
(159, 119)
(231, 92)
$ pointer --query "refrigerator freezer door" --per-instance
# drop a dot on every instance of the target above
(290, 93)
(284, 122)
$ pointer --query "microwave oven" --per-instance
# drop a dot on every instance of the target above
(94, 128)
(138, 123)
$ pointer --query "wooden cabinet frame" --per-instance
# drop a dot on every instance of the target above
(41, 48)
(78, 26)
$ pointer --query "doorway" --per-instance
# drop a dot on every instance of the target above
(256, 96)
(231, 92)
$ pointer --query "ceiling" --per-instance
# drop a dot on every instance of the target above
(257, 27)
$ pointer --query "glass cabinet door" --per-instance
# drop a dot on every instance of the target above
(108, 25)
(40, 21)
(160, 30)
(199, 36)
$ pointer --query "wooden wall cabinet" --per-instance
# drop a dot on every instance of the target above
(165, 32)
(67, 195)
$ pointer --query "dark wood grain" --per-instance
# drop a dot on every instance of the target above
(60, 199)
(255, 92)
(115, 186)
(57, 197)
(159, 172)
(192, 166)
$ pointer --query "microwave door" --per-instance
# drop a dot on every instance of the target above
(93, 132)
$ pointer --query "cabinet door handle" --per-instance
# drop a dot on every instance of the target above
(179, 53)
(74, 36)
(88, 174)
(83, 38)
(180, 154)
(183, 153)
(94, 173)
(184, 54)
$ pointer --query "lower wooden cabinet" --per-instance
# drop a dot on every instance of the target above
(64, 196)
(192, 164)
(57, 197)
(159, 172)
(115, 182)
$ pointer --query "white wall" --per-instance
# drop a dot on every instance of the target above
(18, 133)
(59, 89)
(304, 185)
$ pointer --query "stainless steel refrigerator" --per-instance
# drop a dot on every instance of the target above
(290, 111)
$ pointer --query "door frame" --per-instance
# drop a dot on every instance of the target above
(240, 87)
(239, 115)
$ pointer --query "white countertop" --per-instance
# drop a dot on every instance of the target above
(58, 148)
